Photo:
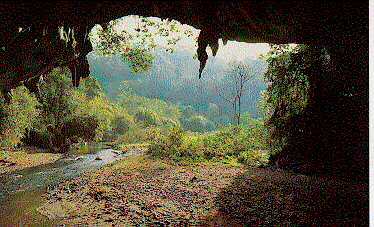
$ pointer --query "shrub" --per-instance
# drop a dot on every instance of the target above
(228, 142)
(254, 158)
(147, 117)
(90, 87)
(167, 146)
(121, 123)
(137, 134)
(17, 117)
(57, 108)
(69, 115)
(80, 129)
(169, 123)
(100, 108)
(197, 123)
(133, 104)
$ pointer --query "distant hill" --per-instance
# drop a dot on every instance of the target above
(174, 77)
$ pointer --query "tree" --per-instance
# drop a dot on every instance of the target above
(235, 86)
(56, 107)
(288, 93)
(91, 87)
(17, 116)
(69, 115)
(148, 117)
(135, 38)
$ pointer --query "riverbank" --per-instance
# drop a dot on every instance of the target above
(26, 157)
(21, 191)
(140, 190)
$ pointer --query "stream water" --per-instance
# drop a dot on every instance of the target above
(21, 191)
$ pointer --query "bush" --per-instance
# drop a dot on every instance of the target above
(197, 123)
(167, 146)
(133, 104)
(254, 158)
(80, 129)
(57, 108)
(138, 134)
(147, 117)
(227, 142)
(17, 117)
(121, 123)
(169, 123)
(90, 87)
(103, 111)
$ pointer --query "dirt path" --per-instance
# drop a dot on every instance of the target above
(139, 190)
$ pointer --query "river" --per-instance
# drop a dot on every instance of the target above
(21, 191)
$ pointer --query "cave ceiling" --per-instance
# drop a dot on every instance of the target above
(324, 23)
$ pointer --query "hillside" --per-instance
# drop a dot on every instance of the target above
(174, 77)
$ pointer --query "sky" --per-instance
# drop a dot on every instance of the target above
(238, 51)
(232, 51)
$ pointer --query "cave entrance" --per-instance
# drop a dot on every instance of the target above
(136, 40)
(150, 67)
(328, 135)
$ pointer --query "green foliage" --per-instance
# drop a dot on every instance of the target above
(234, 87)
(197, 123)
(135, 38)
(82, 148)
(134, 104)
(17, 116)
(172, 79)
(56, 109)
(90, 87)
(289, 85)
(137, 133)
(147, 117)
(167, 146)
(169, 123)
(188, 112)
(80, 129)
(122, 123)
(194, 122)
(70, 115)
(288, 91)
(215, 114)
(225, 144)
(99, 108)
(140, 60)
(254, 158)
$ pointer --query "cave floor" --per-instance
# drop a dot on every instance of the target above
(140, 190)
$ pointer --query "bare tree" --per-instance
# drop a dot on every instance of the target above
(235, 86)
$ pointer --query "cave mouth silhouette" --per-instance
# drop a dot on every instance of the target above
(338, 141)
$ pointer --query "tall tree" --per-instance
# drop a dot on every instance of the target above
(235, 87)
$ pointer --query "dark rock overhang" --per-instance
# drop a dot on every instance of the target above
(324, 23)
